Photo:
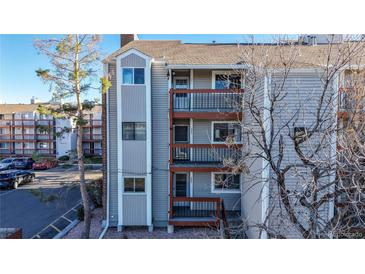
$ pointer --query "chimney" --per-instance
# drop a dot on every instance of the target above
(125, 39)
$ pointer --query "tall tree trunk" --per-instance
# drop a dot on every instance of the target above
(83, 190)
(80, 152)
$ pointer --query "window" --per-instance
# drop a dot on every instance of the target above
(227, 81)
(133, 76)
(1, 116)
(134, 131)
(300, 133)
(225, 182)
(181, 83)
(181, 133)
(134, 184)
(223, 132)
(43, 145)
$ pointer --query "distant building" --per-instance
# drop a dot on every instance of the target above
(25, 132)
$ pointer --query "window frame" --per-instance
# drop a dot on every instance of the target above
(223, 72)
(134, 131)
(223, 122)
(134, 185)
(133, 68)
(214, 190)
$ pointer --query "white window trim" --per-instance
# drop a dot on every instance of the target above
(121, 76)
(134, 193)
(221, 122)
(225, 72)
(182, 78)
(213, 190)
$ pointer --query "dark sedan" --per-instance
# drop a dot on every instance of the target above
(24, 163)
(13, 178)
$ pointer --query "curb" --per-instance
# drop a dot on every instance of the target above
(67, 229)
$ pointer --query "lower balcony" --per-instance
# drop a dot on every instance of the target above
(195, 211)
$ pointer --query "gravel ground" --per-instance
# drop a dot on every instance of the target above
(95, 228)
(161, 233)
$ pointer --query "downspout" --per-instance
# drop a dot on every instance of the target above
(265, 164)
(101, 236)
(331, 205)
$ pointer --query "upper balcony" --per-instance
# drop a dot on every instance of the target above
(217, 104)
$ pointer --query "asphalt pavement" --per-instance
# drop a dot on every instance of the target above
(34, 206)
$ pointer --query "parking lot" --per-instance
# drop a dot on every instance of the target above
(36, 205)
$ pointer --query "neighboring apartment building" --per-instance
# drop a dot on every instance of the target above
(25, 132)
(92, 137)
(167, 119)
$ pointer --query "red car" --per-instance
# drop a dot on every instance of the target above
(45, 164)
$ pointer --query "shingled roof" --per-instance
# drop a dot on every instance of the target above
(24, 108)
(176, 53)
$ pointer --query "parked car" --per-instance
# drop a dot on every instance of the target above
(24, 163)
(13, 178)
(7, 163)
(45, 164)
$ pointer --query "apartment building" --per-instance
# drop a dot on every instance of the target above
(92, 136)
(167, 121)
(25, 132)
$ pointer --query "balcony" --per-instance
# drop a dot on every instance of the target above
(204, 154)
(91, 137)
(219, 104)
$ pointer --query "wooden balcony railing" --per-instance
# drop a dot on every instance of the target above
(204, 153)
(206, 100)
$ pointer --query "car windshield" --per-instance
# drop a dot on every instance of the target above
(6, 161)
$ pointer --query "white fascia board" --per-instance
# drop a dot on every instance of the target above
(212, 66)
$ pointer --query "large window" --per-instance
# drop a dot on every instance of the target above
(223, 132)
(227, 81)
(226, 182)
(134, 185)
(133, 76)
(134, 131)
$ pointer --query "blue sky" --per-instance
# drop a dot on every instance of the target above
(19, 60)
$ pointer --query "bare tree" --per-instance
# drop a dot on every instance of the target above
(74, 59)
(314, 162)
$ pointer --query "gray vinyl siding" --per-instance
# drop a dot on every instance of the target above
(113, 147)
(134, 209)
(303, 91)
(252, 183)
(202, 79)
(160, 144)
(134, 157)
(133, 102)
(133, 60)
(202, 131)
(202, 188)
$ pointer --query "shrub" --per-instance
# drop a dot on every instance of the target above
(95, 190)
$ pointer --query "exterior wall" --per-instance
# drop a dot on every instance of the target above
(252, 211)
(112, 150)
(202, 79)
(303, 92)
(134, 156)
(202, 183)
(135, 209)
(160, 144)
(64, 142)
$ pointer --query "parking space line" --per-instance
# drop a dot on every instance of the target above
(67, 219)
(62, 216)
(54, 227)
